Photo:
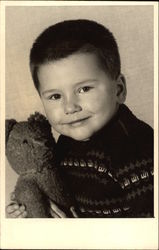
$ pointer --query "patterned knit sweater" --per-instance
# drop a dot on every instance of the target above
(111, 175)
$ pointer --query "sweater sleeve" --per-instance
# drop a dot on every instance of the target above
(141, 194)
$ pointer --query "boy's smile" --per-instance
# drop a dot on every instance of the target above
(78, 96)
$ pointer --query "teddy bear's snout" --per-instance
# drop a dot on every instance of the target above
(25, 141)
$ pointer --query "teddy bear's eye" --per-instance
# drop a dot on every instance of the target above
(25, 142)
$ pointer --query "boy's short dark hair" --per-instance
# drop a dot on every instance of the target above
(67, 37)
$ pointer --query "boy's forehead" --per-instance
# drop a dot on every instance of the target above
(79, 68)
(78, 63)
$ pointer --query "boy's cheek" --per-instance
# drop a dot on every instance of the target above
(53, 119)
(53, 113)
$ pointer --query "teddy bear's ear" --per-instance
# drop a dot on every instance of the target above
(39, 122)
(9, 124)
(37, 117)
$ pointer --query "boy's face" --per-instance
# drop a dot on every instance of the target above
(78, 96)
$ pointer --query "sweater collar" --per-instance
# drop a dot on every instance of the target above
(118, 127)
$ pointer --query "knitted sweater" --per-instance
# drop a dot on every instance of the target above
(111, 175)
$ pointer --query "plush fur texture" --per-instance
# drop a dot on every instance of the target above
(30, 150)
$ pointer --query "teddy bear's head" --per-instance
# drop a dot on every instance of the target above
(29, 144)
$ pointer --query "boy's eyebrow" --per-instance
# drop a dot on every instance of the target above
(49, 91)
(76, 84)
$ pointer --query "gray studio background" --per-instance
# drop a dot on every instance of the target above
(131, 25)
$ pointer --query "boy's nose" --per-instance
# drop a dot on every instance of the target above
(71, 106)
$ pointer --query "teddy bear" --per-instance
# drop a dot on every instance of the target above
(30, 150)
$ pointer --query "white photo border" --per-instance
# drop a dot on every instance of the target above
(77, 233)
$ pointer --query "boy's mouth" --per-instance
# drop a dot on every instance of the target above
(77, 122)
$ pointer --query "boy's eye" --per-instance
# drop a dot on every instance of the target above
(55, 97)
(84, 89)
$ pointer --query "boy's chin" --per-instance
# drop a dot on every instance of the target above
(78, 133)
(80, 137)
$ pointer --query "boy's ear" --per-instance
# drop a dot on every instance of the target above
(121, 89)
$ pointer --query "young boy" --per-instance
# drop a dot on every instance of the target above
(104, 151)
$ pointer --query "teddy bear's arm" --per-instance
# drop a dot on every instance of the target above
(28, 193)
(53, 186)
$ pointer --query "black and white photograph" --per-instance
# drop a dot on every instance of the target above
(79, 125)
